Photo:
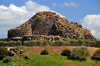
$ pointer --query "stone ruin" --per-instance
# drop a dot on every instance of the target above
(50, 26)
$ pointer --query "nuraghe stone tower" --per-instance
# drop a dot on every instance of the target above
(47, 25)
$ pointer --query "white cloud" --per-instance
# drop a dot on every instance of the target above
(92, 22)
(13, 16)
(70, 4)
(54, 4)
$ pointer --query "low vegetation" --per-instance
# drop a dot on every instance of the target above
(44, 52)
(67, 58)
(58, 31)
(21, 47)
(7, 59)
(80, 53)
(96, 55)
(66, 52)
(3, 52)
(78, 42)
(38, 19)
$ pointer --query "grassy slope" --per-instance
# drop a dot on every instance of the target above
(4, 64)
(54, 60)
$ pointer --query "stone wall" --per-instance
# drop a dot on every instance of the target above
(50, 23)
(25, 29)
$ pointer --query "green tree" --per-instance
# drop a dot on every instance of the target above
(80, 52)
(3, 52)
(96, 54)
(66, 52)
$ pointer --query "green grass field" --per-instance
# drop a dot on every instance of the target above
(4, 64)
(53, 60)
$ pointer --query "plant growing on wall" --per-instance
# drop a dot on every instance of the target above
(38, 19)
(58, 31)
(46, 18)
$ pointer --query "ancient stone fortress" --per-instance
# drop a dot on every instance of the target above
(49, 26)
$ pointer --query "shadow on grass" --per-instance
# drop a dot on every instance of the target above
(94, 58)
(77, 59)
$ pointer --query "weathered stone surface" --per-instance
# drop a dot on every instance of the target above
(27, 57)
(47, 24)
(11, 53)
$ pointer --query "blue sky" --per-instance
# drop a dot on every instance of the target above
(86, 12)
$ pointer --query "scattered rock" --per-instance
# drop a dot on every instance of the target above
(27, 57)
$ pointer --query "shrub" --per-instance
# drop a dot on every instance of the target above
(11, 43)
(26, 43)
(86, 41)
(58, 31)
(44, 43)
(80, 42)
(46, 18)
(14, 43)
(44, 52)
(93, 43)
(38, 42)
(58, 43)
(72, 42)
(67, 43)
(38, 19)
(80, 53)
(66, 52)
(6, 43)
(34, 42)
(50, 43)
(97, 43)
(31, 43)
(19, 43)
(96, 54)
(7, 59)
(2, 43)
(3, 52)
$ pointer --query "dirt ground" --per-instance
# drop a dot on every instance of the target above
(55, 49)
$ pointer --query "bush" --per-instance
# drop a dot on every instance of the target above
(26, 43)
(7, 59)
(50, 43)
(2, 43)
(67, 43)
(11, 43)
(86, 41)
(3, 52)
(31, 43)
(38, 19)
(19, 43)
(66, 52)
(93, 43)
(44, 52)
(58, 43)
(44, 43)
(96, 54)
(80, 53)
(73, 42)
(80, 42)
(97, 43)
(58, 31)
(6, 43)
(38, 42)
(46, 18)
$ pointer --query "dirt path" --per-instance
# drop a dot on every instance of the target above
(55, 49)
